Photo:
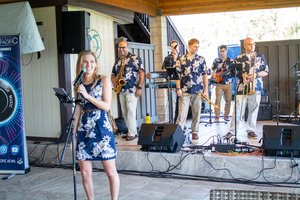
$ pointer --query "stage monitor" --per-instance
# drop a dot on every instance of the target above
(282, 140)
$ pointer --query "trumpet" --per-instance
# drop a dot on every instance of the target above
(209, 101)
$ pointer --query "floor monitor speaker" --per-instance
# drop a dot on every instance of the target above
(281, 140)
(161, 137)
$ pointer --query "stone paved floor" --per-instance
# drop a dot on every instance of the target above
(57, 184)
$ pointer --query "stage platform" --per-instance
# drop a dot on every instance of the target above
(197, 161)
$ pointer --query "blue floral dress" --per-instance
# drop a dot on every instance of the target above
(95, 138)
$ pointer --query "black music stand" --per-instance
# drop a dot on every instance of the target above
(172, 75)
(237, 71)
(65, 99)
(210, 122)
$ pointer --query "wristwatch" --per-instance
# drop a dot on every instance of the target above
(138, 87)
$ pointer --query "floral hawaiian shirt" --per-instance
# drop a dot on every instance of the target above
(223, 70)
(191, 72)
(259, 63)
(133, 64)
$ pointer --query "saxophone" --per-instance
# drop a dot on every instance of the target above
(112, 122)
(120, 79)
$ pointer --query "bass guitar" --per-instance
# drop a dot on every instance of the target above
(220, 75)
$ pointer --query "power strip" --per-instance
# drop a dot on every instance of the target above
(224, 148)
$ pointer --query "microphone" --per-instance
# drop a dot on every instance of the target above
(295, 64)
(78, 79)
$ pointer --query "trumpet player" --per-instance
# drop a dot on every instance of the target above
(192, 69)
(127, 78)
(250, 86)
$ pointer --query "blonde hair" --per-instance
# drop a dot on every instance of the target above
(79, 65)
(193, 41)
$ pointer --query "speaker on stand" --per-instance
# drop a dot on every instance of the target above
(161, 137)
(76, 25)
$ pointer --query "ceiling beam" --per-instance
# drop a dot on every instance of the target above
(142, 6)
(179, 7)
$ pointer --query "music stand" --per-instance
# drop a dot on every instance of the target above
(62, 96)
(172, 75)
(65, 99)
(210, 122)
(237, 71)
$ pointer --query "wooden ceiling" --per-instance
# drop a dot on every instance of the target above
(183, 7)
(179, 7)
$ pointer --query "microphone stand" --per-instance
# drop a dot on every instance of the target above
(277, 102)
(64, 98)
(296, 110)
(70, 130)
(210, 122)
(235, 117)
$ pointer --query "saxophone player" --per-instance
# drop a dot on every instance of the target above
(127, 78)
(250, 86)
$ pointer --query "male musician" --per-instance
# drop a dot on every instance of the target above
(133, 75)
(255, 66)
(221, 74)
(192, 69)
(173, 57)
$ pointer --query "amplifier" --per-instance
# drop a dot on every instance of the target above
(264, 112)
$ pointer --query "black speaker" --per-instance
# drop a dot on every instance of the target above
(161, 137)
(76, 25)
(264, 112)
(281, 140)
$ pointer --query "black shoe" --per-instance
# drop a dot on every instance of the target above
(252, 135)
(228, 136)
(129, 138)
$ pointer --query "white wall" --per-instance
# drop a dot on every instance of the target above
(41, 107)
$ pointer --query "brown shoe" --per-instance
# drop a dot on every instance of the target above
(252, 135)
(226, 118)
(228, 135)
(195, 136)
(129, 138)
(217, 119)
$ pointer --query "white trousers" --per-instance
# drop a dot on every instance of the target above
(242, 101)
(128, 105)
(183, 108)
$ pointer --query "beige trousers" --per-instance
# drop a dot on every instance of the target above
(183, 108)
(128, 104)
(227, 91)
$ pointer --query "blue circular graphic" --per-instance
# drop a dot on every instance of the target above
(95, 42)
(14, 149)
(3, 149)
(9, 101)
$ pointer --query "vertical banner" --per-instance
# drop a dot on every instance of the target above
(13, 147)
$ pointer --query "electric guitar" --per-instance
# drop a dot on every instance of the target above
(221, 74)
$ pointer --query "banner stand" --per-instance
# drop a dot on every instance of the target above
(13, 146)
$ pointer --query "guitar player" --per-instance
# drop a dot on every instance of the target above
(223, 79)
